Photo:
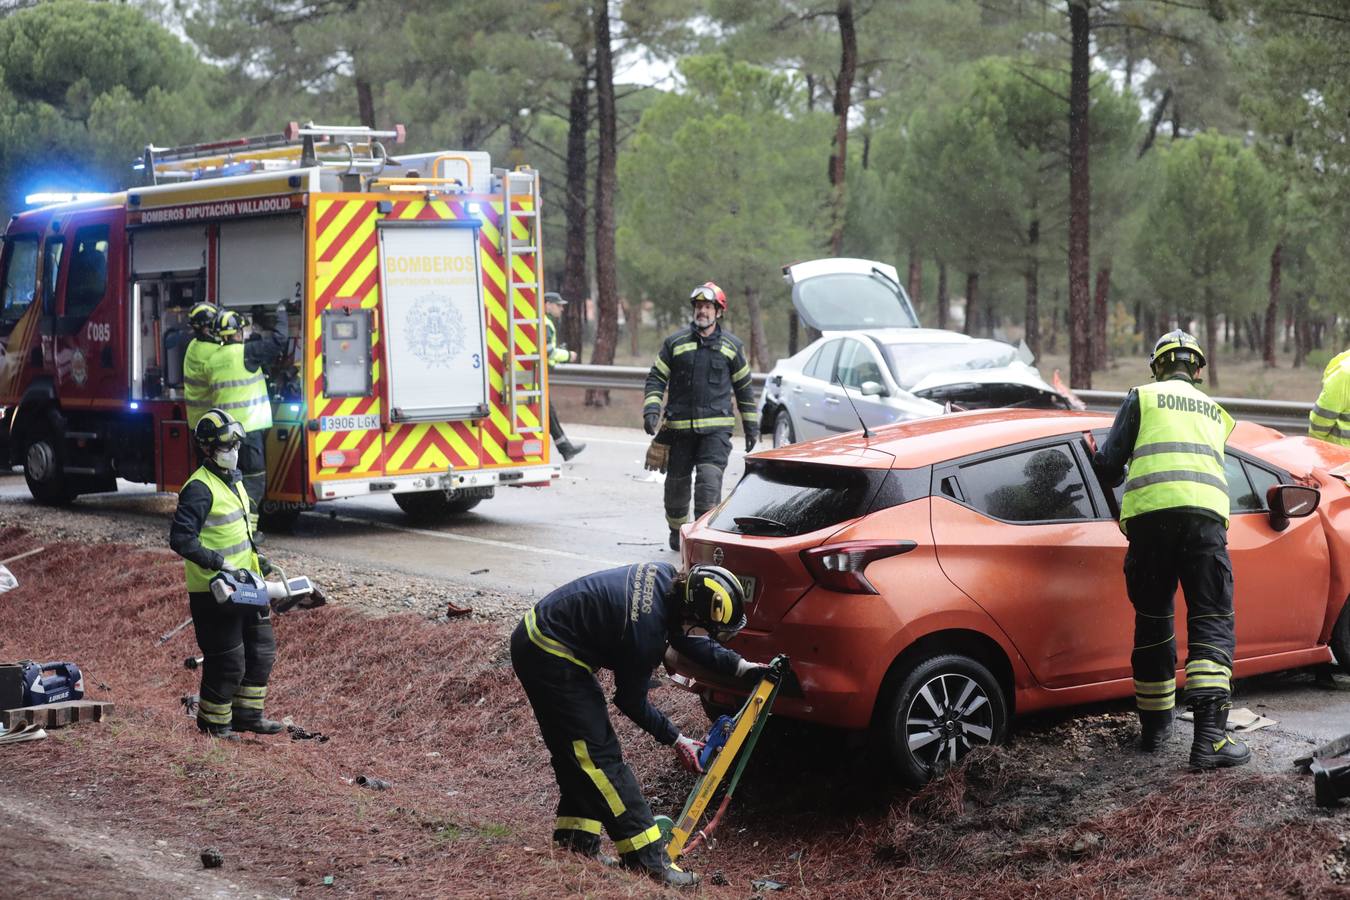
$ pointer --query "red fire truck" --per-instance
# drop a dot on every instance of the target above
(416, 316)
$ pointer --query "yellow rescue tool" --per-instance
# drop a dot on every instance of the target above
(725, 741)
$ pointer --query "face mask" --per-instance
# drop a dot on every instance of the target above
(226, 459)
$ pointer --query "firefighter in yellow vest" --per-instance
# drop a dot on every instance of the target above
(239, 386)
(553, 308)
(211, 531)
(1330, 416)
(1175, 514)
(197, 360)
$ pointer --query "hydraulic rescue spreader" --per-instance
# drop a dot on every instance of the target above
(730, 741)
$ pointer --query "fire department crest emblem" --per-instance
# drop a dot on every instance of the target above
(435, 330)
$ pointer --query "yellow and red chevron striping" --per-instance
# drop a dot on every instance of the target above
(346, 266)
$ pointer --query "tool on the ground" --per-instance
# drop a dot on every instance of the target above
(301, 734)
(50, 682)
(730, 741)
(1331, 780)
(375, 784)
(193, 662)
(168, 635)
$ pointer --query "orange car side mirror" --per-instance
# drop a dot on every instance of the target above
(1290, 501)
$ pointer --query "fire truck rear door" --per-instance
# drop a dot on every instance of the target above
(435, 341)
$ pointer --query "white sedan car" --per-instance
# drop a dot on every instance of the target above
(874, 365)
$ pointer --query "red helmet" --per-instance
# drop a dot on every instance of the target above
(709, 292)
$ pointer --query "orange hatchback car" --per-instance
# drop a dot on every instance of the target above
(934, 578)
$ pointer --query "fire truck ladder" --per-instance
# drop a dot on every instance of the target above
(347, 149)
(526, 367)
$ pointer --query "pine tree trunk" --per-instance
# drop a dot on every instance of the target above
(972, 300)
(575, 211)
(1211, 339)
(365, 103)
(1052, 345)
(1272, 306)
(1080, 200)
(843, 102)
(914, 281)
(1101, 350)
(1300, 334)
(943, 302)
(794, 332)
(760, 357)
(606, 269)
(1033, 276)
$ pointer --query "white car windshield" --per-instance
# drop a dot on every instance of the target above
(911, 363)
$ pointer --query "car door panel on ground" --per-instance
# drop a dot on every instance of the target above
(1024, 535)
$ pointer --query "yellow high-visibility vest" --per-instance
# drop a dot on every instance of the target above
(226, 530)
(1178, 454)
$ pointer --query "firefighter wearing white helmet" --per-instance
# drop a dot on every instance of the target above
(624, 620)
(697, 370)
(211, 531)
(1175, 514)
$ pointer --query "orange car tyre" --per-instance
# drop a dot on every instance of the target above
(944, 707)
(1340, 638)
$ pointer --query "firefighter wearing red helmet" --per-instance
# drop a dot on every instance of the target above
(697, 370)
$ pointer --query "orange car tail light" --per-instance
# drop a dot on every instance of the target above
(840, 567)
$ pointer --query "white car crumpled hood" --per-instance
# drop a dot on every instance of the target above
(1015, 374)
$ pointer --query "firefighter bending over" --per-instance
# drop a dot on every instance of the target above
(1175, 514)
(211, 531)
(698, 368)
(621, 619)
(239, 387)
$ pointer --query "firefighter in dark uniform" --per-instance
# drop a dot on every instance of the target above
(239, 387)
(211, 531)
(553, 307)
(621, 619)
(197, 360)
(699, 368)
(1175, 514)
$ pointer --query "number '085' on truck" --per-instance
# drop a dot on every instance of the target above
(415, 364)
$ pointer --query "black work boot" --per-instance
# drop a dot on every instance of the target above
(675, 539)
(652, 860)
(569, 449)
(221, 732)
(1155, 729)
(581, 842)
(1212, 747)
(256, 724)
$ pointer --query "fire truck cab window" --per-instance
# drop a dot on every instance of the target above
(88, 279)
(20, 278)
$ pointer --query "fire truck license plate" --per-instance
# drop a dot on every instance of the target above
(367, 422)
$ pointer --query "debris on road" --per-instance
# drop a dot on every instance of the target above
(1240, 721)
(1331, 780)
(375, 784)
(212, 859)
(25, 732)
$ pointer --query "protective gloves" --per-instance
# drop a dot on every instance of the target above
(686, 751)
(649, 421)
(745, 668)
(265, 566)
(751, 439)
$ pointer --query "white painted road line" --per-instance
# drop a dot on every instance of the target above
(446, 536)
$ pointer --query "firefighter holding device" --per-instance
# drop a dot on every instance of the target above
(211, 530)
(621, 619)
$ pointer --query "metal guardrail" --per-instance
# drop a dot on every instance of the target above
(1282, 415)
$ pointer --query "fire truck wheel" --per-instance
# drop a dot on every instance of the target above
(278, 520)
(43, 468)
(432, 505)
